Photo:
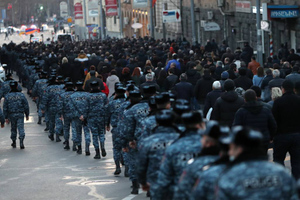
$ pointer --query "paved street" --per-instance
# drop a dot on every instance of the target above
(44, 170)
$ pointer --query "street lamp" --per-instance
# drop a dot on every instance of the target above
(41, 7)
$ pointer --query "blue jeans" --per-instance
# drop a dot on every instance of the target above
(288, 143)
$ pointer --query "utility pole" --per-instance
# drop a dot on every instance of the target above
(151, 20)
(120, 19)
(101, 20)
(193, 22)
(84, 13)
(259, 40)
(69, 9)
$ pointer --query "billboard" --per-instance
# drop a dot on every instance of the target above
(111, 7)
(93, 8)
(78, 11)
(139, 3)
(63, 9)
(170, 16)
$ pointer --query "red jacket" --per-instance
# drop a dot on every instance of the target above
(106, 90)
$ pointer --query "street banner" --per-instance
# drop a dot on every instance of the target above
(63, 9)
(111, 8)
(78, 11)
(140, 3)
(93, 8)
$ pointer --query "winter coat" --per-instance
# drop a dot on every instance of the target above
(110, 82)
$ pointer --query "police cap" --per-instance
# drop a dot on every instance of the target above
(79, 83)
(165, 117)
(44, 73)
(60, 78)
(191, 118)
(182, 102)
(52, 78)
(94, 84)
(130, 82)
(69, 84)
(120, 90)
(53, 70)
(179, 109)
(213, 130)
(135, 94)
(130, 87)
(13, 83)
(162, 98)
(245, 137)
(68, 79)
(118, 85)
(149, 89)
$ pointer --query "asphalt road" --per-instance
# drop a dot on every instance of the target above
(44, 170)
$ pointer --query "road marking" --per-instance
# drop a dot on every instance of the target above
(129, 197)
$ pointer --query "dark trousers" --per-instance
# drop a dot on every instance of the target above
(288, 143)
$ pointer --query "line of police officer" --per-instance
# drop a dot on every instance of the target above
(166, 147)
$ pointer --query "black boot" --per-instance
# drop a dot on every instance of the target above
(79, 150)
(118, 168)
(13, 144)
(67, 146)
(74, 147)
(97, 156)
(51, 137)
(135, 188)
(40, 120)
(57, 138)
(148, 194)
(47, 126)
(22, 144)
(87, 149)
(126, 173)
(103, 152)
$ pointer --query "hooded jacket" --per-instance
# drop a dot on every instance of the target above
(226, 107)
(255, 115)
(111, 81)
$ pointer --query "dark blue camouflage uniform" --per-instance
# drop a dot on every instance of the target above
(151, 151)
(206, 182)
(2, 120)
(50, 102)
(96, 116)
(175, 160)
(189, 176)
(79, 106)
(112, 113)
(256, 179)
(5, 88)
(14, 107)
(65, 111)
(132, 125)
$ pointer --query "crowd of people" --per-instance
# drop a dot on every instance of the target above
(187, 121)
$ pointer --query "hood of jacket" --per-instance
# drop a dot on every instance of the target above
(112, 78)
(253, 106)
(229, 96)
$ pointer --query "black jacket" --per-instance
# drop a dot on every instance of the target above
(243, 82)
(265, 81)
(210, 100)
(226, 107)
(193, 76)
(286, 111)
(171, 81)
(183, 90)
(203, 87)
(258, 117)
(276, 82)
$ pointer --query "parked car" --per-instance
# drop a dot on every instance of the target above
(3, 30)
(2, 74)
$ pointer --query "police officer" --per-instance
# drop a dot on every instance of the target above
(14, 107)
(2, 120)
(58, 119)
(65, 112)
(79, 106)
(250, 175)
(209, 153)
(152, 148)
(177, 156)
(38, 91)
(49, 103)
(5, 86)
(208, 174)
(96, 103)
(112, 116)
(162, 101)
